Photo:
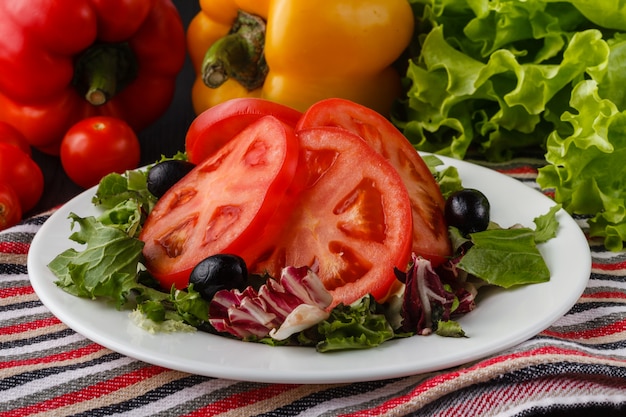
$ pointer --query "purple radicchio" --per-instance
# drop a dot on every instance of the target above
(253, 315)
(429, 300)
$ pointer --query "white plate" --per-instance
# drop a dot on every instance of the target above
(503, 318)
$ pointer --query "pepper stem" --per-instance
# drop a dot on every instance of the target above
(238, 55)
(103, 70)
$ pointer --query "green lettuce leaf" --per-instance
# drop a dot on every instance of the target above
(357, 326)
(125, 200)
(587, 170)
(108, 269)
(505, 257)
(502, 78)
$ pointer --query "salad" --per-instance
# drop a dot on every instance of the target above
(295, 305)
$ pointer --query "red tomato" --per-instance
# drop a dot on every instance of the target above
(10, 135)
(219, 124)
(10, 209)
(430, 232)
(97, 146)
(223, 204)
(21, 173)
(352, 220)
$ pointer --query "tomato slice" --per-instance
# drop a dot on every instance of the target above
(352, 220)
(219, 124)
(223, 205)
(430, 232)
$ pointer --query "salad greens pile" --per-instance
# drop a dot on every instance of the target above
(496, 79)
(110, 269)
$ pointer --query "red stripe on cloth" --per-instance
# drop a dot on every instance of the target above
(507, 394)
(16, 291)
(609, 267)
(438, 380)
(610, 329)
(94, 391)
(60, 357)
(242, 399)
(29, 326)
(16, 248)
(608, 295)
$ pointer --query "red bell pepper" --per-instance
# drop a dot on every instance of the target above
(62, 61)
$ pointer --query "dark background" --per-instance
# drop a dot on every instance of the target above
(164, 137)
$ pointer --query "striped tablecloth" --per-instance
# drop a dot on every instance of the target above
(46, 369)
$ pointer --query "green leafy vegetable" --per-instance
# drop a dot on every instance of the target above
(109, 268)
(501, 78)
(449, 328)
(358, 326)
(509, 257)
(505, 257)
(448, 178)
(587, 170)
(106, 268)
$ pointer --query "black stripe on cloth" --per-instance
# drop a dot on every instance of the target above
(76, 384)
(598, 349)
(164, 391)
(37, 339)
(21, 306)
(37, 220)
(23, 378)
(17, 237)
(604, 409)
(613, 376)
(592, 305)
(13, 269)
(326, 395)
(563, 368)
(597, 276)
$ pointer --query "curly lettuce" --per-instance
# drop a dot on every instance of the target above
(500, 79)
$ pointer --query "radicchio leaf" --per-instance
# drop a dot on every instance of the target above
(252, 315)
(428, 299)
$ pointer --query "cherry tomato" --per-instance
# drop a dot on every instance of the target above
(219, 124)
(10, 209)
(10, 135)
(223, 205)
(97, 146)
(21, 173)
(352, 221)
(430, 232)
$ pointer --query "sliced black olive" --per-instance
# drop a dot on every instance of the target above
(219, 272)
(468, 210)
(165, 174)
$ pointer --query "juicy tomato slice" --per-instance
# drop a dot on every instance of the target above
(430, 232)
(352, 220)
(223, 204)
(219, 124)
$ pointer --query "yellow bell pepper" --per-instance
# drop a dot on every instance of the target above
(297, 52)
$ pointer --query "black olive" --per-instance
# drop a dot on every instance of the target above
(163, 175)
(219, 272)
(468, 211)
